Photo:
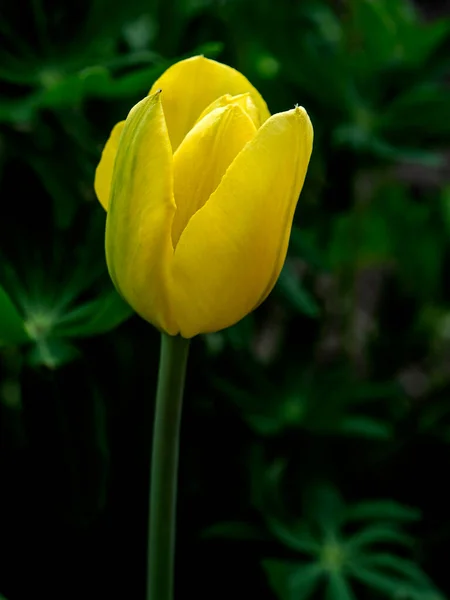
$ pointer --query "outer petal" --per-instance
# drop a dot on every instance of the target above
(104, 172)
(203, 157)
(232, 250)
(190, 85)
(139, 221)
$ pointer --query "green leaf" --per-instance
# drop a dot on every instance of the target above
(241, 334)
(379, 33)
(95, 317)
(382, 510)
(366, 427)
(378, 534)
(338, 588)
(290, 287)
(52, 353)
(295, 537)
(386, 584)
(324, 506)
(421, 111)
(12, 329)
(360, 239)
(303, 244)
(292, 581)
(397, 565)
(235, 530)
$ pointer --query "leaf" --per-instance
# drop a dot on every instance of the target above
(360, 239)
(290, 287)
(338, 588)
(379, 33)
(397, 565)
(324, 507)
(366, 427)
(265, 424)
(303, 243)
(52, 353)
(382, 510)
(366, 141)
(292, 581)
(54, 175)
(378, 534)
(296, 537)
(384, 583)
(420, 111)
(235, 530)
(95, 317)
(12, 327)
(241, 334)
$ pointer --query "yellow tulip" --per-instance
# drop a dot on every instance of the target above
(201, 184)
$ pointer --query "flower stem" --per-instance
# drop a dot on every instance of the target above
(164, 468)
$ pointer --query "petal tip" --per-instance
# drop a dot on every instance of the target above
(302, 115)
(300, 111)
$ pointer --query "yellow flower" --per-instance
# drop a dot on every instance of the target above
(201, 184)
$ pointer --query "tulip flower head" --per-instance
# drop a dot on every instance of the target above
(200, 186)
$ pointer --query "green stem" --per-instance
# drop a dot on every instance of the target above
(164, 467)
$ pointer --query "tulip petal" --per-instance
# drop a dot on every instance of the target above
(203, 157)
(139, 221)
(190, 85)
(231, 252)
(245, 101)
(104, 172)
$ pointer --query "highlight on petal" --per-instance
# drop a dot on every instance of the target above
(104, 171)
(191, 85)
(203, 157)
(139, 221)
(231, 252)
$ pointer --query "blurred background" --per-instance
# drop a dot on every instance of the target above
(316, 432)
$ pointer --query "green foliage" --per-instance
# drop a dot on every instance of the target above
(342, 373)
(321, 402)
(12, 329)
(334, 545)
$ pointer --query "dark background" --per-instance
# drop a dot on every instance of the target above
(315, 450)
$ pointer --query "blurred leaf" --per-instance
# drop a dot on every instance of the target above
(294, 536)
(292, 581)
(366, 427)
(338, 588)
(361, 238)
(379, 32)
(392, 34)
(303, 244)
(419, 112)
(95, 317)
(12, 330)
(239, 336)
(65, 198)
(398, 566)
(235, 530)
(382, 510)
(52, 353)
(386, 584)
(324, 506)
(290, 287)
(378, 534)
